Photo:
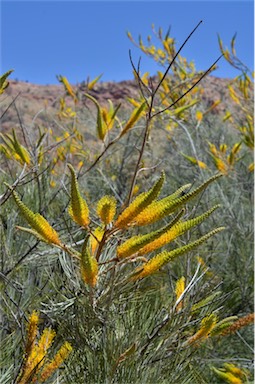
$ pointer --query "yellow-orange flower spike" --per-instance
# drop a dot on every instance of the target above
(89, 266)
(161, 208)
(58, 359)
(135, 116)
(106, 209)
(140, 203)
(179, 289)
(171, 232)
(165, 257)
(42, 229)
(235, 370)
(78, 208)
(32, 331)
(230, 377)
(207, 325)
(240, 323)
(139, 244)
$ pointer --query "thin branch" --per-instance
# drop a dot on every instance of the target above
(138, 77)
(13, 101)
(22, 258)
(190, 89)
(139, 159)
(8, 192)
(175, 56)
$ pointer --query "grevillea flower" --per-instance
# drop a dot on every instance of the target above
(36, 358)
(137, 244)
(135, 116)
(36, 368)
(101, 125)
(40, 226)
(143, 244)
(54, 364)
(106, 208)
(139, 204)
(165, 257)
(89, 266)
(19, 151)
(32, 331)
(222, 325)
(227, 376)
(207, 325)
(179, 289)
(235, 370)
(240, 323)
(46, 339)
(231, 374)
(161, 208)
(30, 345)
(78, 208)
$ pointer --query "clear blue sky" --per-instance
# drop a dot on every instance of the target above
(40, 39)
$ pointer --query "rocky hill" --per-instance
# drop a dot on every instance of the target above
(23, 101)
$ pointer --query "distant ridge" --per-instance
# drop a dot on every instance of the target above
(34, 98)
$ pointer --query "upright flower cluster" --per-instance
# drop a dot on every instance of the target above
(36, 368)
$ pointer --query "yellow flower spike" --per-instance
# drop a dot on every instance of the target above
(3, 81)
(135, 116)
(240, 323)
(227, 376)
(251, 167)
(169, 234)
(104, 114)
(13, 148)
(37, 357)
(42, 229)
(101, 125)
(106, 209)
(140, 203)
(93, 82)
(179, 289)
(213, 149)
(165, 257)
(232, 156)
(161, 208)
(89, 266)
(32, 331)
(235, 370)
(195, 161)
(36, 368)
(201, 164)
(58, 359)
(221, 165)
(227, 116)
(222, 325)
(68, 88)
(46, 340)
(207, 325)
(223, 148)
(20, 150)
(30, 345)
(78, 208)
(146, 243)
(109, 115)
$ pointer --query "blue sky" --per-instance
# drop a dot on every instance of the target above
(41, 39)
